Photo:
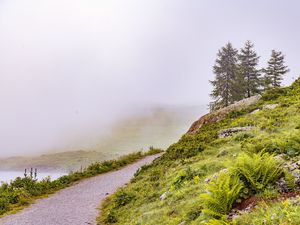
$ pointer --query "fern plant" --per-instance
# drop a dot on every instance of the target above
(217, 222)
(222, 193)
(257, 170)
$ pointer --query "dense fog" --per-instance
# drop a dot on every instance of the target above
(71, 70)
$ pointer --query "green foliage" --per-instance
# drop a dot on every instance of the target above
(221, 194)
(284, 213)
(226, 78)
(185, 150)
(275, 70)
(235, 114)
(268, 192)
(194, 213)
(290, 180)
(273, 93)
(257, 171)
(273, 133)
(122, 198)
(111, 217)
(274, 144)
(251, 82)
(217, 222)
(153, 151)
(4, 205)
(242, 136)
(186, 175)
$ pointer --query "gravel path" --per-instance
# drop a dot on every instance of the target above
(76, 205)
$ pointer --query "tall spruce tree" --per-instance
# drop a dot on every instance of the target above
(275, 70)
(248, 58)
(225, 86)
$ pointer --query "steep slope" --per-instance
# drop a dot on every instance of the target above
(206, 164)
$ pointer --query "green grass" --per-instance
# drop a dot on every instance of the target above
(181, 172)
(21, 192)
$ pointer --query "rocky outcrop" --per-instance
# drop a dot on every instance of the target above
(164, 196)
(270, 106)
(221, 114)
(230, 131)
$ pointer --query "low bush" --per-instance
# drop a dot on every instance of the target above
(274, 144)
(122, 198)
(249, 174)
(222, 193)
(273, 94)
(257, 171)
(285, 212)
(185, 176)
(185, 150)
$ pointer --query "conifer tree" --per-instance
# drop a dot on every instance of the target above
(225, 86)
(248, 58)
(275, 70)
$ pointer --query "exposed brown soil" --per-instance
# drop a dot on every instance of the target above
(252, 201)
(246, 203)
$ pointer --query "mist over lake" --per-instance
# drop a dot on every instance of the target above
(148, 126)
(71, 71)
(7, 176)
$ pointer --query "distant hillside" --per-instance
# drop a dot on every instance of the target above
(65, 161)
(239, 165)
(155, 126)
(158, 127)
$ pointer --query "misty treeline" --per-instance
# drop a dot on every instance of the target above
(237, 75)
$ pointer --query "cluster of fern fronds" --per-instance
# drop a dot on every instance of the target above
(250, 174)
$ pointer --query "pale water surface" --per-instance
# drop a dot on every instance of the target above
(7, 176)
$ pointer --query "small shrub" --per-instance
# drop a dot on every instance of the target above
(257, 170)
(222, 153)
(194, 213)
(4, 204)
(111, 217)
(275, 144)
(221, 194)
(273, 94)
(153, 151)
(235, 114)
(184, 150)
(187, 175)
(122, 198)
(217, 222)
(290, 180)
(242, 136)
(284, 213)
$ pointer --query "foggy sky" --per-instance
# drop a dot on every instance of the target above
(68, 68)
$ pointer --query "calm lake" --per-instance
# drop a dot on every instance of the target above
(7, 176)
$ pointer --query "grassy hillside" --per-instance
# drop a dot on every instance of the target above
(206, 178)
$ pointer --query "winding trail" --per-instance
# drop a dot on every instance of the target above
(76, 205)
